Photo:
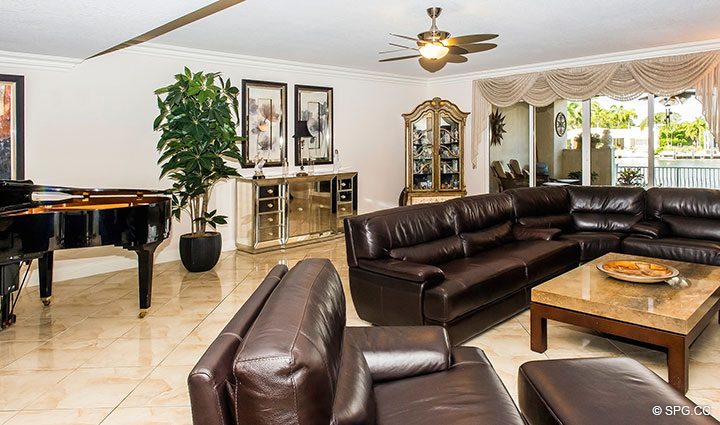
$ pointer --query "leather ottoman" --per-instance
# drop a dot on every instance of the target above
(603, 391)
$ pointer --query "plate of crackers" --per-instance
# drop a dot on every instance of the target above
(638, 271)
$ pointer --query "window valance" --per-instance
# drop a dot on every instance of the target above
(664, 76)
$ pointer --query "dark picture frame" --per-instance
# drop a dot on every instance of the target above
(12, 127)
(314, 108)
(264, 122)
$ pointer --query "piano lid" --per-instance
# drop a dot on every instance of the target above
(19, 194)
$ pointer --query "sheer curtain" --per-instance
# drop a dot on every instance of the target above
(665, 76)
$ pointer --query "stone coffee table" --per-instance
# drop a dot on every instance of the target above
(657, 314)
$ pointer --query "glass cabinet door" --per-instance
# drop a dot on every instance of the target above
(449, 153)
(423, 167)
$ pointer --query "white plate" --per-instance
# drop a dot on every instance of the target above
(639, 279)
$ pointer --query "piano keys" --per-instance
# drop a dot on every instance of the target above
(35, 221)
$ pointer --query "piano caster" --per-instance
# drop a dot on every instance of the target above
(142, 313)
(46, 300)
(10, 321)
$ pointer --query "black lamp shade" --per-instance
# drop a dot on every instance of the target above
(302, 130)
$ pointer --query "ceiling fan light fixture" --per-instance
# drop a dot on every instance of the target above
(434, 51)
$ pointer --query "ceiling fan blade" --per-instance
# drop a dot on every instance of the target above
(384, 52)
(456, 50)
(407, 37)
(398, 58)
(432, 65)
(475, 48)
(455, 58)
(467, 39)
(189, 18)
(404, 47)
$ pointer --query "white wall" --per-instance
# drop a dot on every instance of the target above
(91, 126)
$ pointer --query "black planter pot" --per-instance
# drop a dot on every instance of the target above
(200, 253)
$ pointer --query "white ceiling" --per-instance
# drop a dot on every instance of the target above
(350, 33)
(81, 28)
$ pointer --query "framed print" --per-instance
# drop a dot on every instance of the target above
(314, 109)
(264, 112)
(12, 128)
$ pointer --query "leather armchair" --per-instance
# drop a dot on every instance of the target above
(287, 358)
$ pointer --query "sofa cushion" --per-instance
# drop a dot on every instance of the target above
(542, 207)
(689, 213)
(287, 366)
(606, 209)
(476, 213)
(471, 283)
(432, 252)
(595, 244)
(542, 259)
(487, 238)
(469, 393)
(681, 249)
(374, 235)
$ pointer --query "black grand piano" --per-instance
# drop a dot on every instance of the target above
(37, 220)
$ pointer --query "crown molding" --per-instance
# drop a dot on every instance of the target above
(269, 64)
(629, 55)
(58, 63)
(34, 61)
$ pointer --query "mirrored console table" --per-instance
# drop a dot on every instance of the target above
(279, 212)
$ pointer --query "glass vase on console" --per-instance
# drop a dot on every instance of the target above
(336, 161)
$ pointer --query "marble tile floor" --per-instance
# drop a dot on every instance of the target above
(87, 358)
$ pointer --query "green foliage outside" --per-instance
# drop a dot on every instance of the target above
(686, 133)
(675, 134)
(614, 117)
(198, 120)
(577, 175)
(630, 177)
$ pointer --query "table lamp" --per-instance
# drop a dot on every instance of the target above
(302, 131)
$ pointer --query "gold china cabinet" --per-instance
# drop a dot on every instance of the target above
(434, 143)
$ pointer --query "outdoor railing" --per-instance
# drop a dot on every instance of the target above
(680, 176)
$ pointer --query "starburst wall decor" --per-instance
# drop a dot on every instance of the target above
(497, 128)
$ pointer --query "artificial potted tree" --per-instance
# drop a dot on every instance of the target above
(198, 120)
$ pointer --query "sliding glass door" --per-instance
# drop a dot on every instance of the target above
(649, 141)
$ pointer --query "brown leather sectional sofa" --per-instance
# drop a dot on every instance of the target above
(469, 263)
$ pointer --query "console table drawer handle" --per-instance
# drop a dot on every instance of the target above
(270, 191)
(271, 219)
(269, 205)
(300, 208)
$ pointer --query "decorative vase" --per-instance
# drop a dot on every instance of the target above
(200, 253)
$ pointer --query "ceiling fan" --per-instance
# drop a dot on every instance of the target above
(435, 48)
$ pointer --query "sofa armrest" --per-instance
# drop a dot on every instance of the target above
(525, 233)
(406, 270)
(394, 352)
(650, 229)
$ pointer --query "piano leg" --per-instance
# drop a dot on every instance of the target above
(9, 275)
(146, 258)
(45, 273)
